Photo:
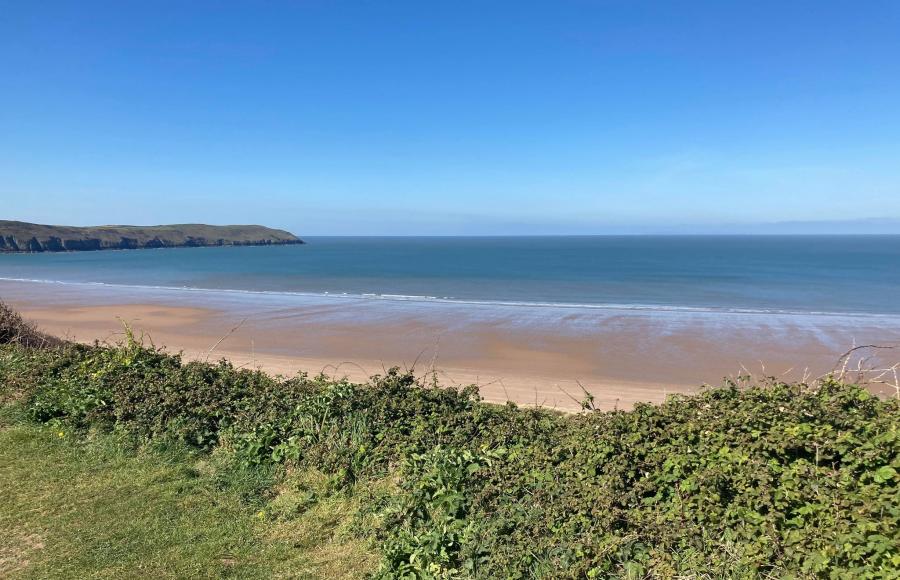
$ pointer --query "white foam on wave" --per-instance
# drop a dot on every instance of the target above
(451, 300)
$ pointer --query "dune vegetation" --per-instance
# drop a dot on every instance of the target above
(126, 460)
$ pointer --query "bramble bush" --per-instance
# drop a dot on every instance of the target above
(16, 330)
(740, 481)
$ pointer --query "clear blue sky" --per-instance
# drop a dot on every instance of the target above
(329, 117)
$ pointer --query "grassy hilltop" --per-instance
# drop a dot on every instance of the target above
(26, 237)
(127, 461)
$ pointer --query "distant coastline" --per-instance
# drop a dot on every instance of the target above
(23, 237)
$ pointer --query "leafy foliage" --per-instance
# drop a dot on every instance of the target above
(739, 481)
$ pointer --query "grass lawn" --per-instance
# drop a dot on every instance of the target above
(99, 509)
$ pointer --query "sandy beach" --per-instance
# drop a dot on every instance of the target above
(539, 356)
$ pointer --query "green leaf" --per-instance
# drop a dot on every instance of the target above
(884, 474)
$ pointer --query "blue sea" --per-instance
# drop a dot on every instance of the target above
(818, 274)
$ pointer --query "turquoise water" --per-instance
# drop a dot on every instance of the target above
(840, 274)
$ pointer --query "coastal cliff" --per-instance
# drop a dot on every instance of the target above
(26, 237)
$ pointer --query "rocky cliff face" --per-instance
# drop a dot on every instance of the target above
(54, 244)
(18, 236)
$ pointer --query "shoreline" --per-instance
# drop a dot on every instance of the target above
(660, 308)
(526, 355)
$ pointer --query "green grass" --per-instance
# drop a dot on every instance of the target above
(100, 509)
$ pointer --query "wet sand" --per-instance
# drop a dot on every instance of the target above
(529, 355)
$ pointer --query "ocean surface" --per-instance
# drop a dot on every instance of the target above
(778, 274)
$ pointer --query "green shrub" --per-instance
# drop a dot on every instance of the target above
(16, 330)
(740, 481)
